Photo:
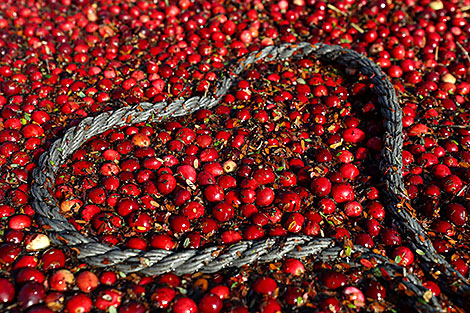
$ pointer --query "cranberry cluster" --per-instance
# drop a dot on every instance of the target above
(63, 60)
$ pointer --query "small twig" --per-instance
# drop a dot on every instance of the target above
(357, 27)
(332, 7)
(451, 126)
(465, 53)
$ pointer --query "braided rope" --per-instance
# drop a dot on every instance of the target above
(214, 259)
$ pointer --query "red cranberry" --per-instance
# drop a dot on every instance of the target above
(210, 303)
(403, 256)
(334, 280)
(184, 305)
(457, 214)
(391, 237)
(7, 291)
(265, 286)
(79, 303)
(30, 294)
(343, 193)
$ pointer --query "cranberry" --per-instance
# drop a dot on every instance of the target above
(403, 256)
(436, 291)
(264, 175)
(391, 237)
(343, 193)
(7, 291)
(289, 201)
(184, 305)
(457, 214)
(87, 281)
(374, 290)
(265, 286)
(334, 280)
(321, 187)
(79, 303)
(163, 296)
(30, 294)
(210, 303)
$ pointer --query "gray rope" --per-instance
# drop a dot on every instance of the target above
(188, 261)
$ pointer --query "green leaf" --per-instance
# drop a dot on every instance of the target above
(186, 242)
(234, 285)
(182, 290)
(112, 309)
(398, 259)
(122, 274)
(52, 162)
(300, 80)
(420, 252)
(81, 94)
(348, 251)
(376, 271)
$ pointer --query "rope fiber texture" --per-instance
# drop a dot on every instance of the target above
(215, 258)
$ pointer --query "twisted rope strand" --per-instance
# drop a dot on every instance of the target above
(213, 259)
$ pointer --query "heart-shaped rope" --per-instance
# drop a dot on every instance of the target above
(215, 258)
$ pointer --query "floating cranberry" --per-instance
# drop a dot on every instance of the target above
(9, 252)
(353, 135)
(321, 186)
(294, 267)
(289, 201)
(61, 280)
(364, 240)
(373, 289)
(452, 184)
(108, 298)
(87, 281)
(184, 305)
(161, 241)
(166, 183)
(343, 193)
(436, 291)
(79, 303)
(265, 286)
(264, 175)
(353, 209)
(210, 303)
(334, 280)
(330, 305)
(355, 296)
(53, 259)
(264, 196)
(294, 222)
(214, 193)
(403, 256)
(391, 237)
(7, 291)
(30, 294)
(163, 296)
(457, 214)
